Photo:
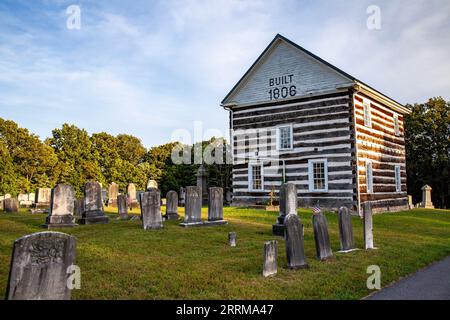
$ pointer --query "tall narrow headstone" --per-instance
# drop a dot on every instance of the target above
(270, 258)
(345, 230)
(295, 250)
(78, 207)
(410, 202)
(11, 205)
(122, 207)
(193, 208)
(42, 200)
(171, 206)
(201, 183)
(426, 197)
(288, 205)
(113, 192)
(151, 210)
(321, 237)
(40, 267)
(182, 199)
(93, 207)
(61, 207)
(215, 207)
(368, 226)
(132, 196)
(232, 239)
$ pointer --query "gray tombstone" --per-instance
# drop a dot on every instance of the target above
(61, 207)
(295, 250)
(42, 198)
(288, 205)
(215, 207)
(193, 208)
(368, 226)
(321, 237)
(132, 196)
(151, 210)
(345, 230)
(182, 198)
(201, 183)
(78, 207)
(122, 207)
(40, 267)
(93, 207)
(232, 239)
(11, 205)
(113, 192)
(171, 206)
(270, 258)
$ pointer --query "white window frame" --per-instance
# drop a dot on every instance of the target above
(311, 163)
(396, 125)
(250, 176)
(369, 179)
(398, 179)
(367, 113)
(291, 133)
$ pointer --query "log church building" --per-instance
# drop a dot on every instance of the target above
(296, 118)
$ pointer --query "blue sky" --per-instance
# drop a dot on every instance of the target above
(149, 68)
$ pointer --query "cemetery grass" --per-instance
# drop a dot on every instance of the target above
(119, 260)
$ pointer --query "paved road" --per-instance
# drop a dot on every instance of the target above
(431, 283)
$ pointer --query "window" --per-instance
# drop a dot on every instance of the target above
(369, 177)
(398, 179)
(256, 177)
(396, 125)
(318, 175)
(367, 114)
(284, 135)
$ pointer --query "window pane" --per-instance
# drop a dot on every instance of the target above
(256, 178)
(285, 137)
(319, 175)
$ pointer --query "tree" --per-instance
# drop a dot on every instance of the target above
(8, 176)
(130, 148)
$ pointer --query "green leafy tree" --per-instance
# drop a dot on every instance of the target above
(130, 148)
(8, 176)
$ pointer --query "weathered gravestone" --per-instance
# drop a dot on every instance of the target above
(122, 207)
(232, 239)
(151, 210)
(2, 200)
(288, 205)
(152, 184)
(42, 198)
(11, 205)
(193, 208)
(368, 226)
(270, 258)
(295, 250)
(93, 207)
(132, 196)
(171, 206)
(426, 197)
(78, 207)
(410, 202)
(182, 199)
(41, 266)
(215, 207)
(61, 207)
(345, 230)
(321, 237)
(201, 183)
(23, 200)
(113, 192)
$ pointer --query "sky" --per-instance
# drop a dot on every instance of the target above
(153, 68)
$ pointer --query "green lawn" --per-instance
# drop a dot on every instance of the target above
(119, 260)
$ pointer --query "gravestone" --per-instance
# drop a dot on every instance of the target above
(122, 207)
(182, 200)
(42, 198)
(232, 239)
(39, 267)
(201, 183)
(23, 200)
(93, 207)
(151, 210)
(321, 237)
(228, 197)
(11, 205)
(193, 208)
(152, 184)
(368, 226)
(113, 192)
(2, 200)
(61, 207)
(270, 258)
(171, 206)
(78, 207)
(295, 250)
(215, 207)
(410, 202)
(288, 205)
(426, 197)
(104, 197)
(132, 196)
(345, 230)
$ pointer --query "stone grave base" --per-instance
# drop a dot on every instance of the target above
(112, 204)
(41, 205)
(55, 222)
(171, 216)
(93, 218)
(204, 223)
(133, 205)
(35, 211)
(191, 224)
(348, 251)
(215, 223)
